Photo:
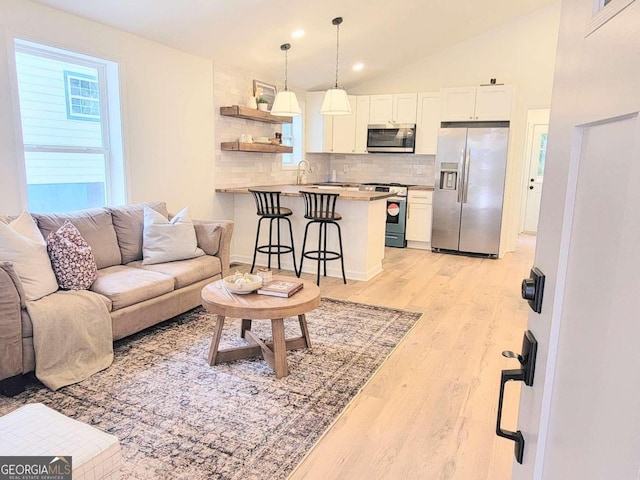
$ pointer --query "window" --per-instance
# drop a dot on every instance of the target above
(83, 96)
(70, 129)
(603, 11)
(292, 135)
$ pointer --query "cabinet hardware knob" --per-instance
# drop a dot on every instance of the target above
(531, 187)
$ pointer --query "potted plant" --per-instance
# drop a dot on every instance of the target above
(263, 104)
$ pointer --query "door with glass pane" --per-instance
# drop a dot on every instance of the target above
(536, 151)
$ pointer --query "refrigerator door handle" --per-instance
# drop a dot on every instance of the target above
(461, 176)
(467, 162)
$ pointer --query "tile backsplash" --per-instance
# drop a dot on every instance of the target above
(407, 169)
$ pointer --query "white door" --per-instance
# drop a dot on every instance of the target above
(535, 155)
(581, 417)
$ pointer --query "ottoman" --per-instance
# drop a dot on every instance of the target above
(35, 429)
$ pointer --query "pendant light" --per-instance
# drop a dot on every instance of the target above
(286, 103)
(335, 100)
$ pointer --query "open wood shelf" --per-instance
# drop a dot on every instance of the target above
(252, 114)
(255, 147)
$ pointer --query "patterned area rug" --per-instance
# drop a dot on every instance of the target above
(177, 417)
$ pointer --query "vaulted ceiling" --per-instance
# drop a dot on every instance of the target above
(382, 34)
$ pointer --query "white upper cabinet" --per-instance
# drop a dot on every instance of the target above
(393, 108)
(477, 103)
(494, 103)
(362, 120)
(344, 130)
(337, 133)
(405, 107)
(318, 128)
(428, 123)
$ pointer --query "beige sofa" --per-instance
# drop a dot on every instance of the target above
(137, 296)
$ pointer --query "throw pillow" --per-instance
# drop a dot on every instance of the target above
(71, 258)
(22, 244)
(168, 241)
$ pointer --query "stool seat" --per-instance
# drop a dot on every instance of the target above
(324, 216)
(37, 430)
(320, 209)
(277, 212)
(268, 207)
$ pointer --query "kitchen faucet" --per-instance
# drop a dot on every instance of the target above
(300, 177)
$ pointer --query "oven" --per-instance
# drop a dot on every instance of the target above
(396, 212)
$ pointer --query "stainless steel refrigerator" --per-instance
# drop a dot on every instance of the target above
(470, 171)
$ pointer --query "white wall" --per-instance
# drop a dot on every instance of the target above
(167, 107)
(519, 53)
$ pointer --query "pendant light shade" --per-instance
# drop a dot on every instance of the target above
(335, 100)
(286, 102)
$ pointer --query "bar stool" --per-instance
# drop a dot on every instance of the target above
(268, 207)
(320, 208)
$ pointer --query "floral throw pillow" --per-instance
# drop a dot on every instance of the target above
(71, 258)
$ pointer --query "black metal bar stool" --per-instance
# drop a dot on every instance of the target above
(268, 207)
(320, 208)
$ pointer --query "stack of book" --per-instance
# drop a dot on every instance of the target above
(281, 288)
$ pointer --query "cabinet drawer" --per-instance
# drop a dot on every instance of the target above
(420, 196)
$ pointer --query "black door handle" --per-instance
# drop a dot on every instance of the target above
(517, 375)
(525, 374)
(531, 187)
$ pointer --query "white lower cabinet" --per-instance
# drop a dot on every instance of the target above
(419, 208)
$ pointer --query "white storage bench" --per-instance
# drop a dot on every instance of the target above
(35, 429)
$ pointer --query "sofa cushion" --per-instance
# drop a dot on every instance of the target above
(71, 258)
(168, 241)
(22, 244)
(185, 272)
(208, 235)
(95, 226)
(126, 286)
(128, 221)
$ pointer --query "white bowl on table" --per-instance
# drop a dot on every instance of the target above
(254, 282)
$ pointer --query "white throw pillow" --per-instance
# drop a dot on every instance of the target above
(168, 241)
(22, 244)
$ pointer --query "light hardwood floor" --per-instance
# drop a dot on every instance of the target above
(430, 410)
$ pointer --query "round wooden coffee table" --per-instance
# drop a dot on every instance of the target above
(218, 300)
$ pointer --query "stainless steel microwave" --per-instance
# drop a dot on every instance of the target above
(398, 138)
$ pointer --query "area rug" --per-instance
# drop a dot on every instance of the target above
(178, 418)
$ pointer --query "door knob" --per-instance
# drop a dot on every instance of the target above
(533, 179)
(532, 289)
(524, 374)
(531, 187)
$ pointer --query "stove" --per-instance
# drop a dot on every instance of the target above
(396, 188)
(396, 221)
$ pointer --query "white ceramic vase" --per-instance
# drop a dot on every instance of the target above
(263, 107)
(251, 103)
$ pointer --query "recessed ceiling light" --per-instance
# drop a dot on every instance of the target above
(358, 66)
(298, 33)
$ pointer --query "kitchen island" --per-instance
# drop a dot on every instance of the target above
(363, 229)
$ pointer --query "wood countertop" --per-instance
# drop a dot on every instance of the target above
(294, 191)
(427, 188)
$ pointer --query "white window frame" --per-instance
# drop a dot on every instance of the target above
(602, 13)
(111, 129)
